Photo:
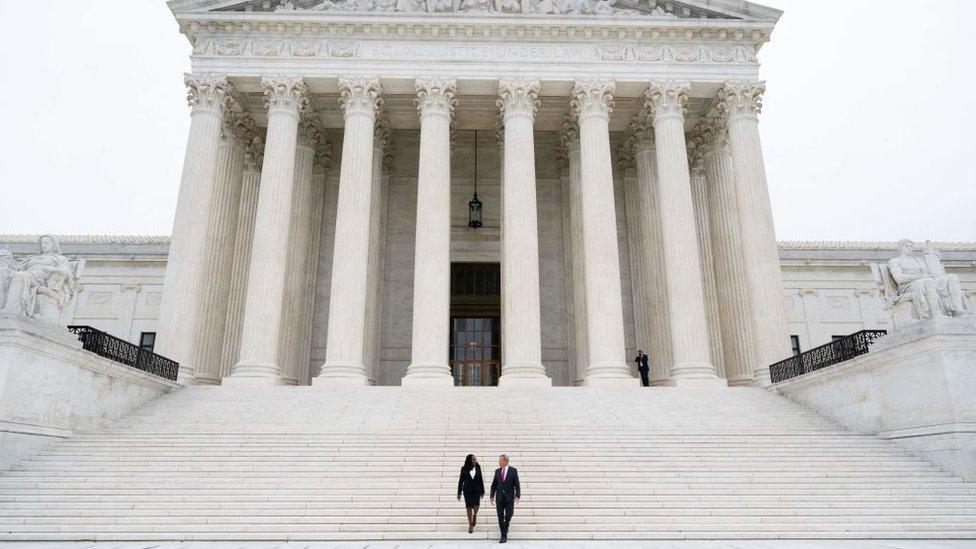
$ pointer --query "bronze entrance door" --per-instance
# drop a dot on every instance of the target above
(475, 324)
(475, 358)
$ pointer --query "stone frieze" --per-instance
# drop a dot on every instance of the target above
(396, 50)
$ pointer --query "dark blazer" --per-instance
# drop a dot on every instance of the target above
(471, 488)
(641, 361)
(506, 491)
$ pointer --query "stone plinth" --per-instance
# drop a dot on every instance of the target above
(50, 388)
(916, 387)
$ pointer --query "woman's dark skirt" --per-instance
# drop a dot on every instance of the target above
(472, 498)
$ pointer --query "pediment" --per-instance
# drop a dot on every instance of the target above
(652, 9)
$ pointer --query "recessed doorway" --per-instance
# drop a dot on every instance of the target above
(475, 324)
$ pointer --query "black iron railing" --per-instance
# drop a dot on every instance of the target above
(123, 352)
(835, 352)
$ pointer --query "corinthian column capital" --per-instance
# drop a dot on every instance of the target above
(713, 134)
(207, 92)
(238, 125)
(312, 134)
(569, 141)
(667, 99)
(625, 157)
(569, 133)
(254, 153)
(285, 94)
(741, 99)
(696, 153)
(436, 96)
(360, 95)
(382, 132)
(640, 135)
(592, 97)
(518, 96)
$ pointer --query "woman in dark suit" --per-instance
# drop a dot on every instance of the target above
(472, 486)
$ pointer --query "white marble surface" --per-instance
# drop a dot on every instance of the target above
(915, 387)
(50, 388)
(259, 362)
(512, 544)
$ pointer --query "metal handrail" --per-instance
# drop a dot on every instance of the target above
(835, 352)
(123, 352)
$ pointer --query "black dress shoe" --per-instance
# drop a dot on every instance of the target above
(503, 540)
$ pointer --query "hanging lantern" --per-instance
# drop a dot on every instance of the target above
(474, 212)
(474, 206)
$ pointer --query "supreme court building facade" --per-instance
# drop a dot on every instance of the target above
(322, 229)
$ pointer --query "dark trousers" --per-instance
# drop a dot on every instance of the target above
(644, 380)
(505, 508)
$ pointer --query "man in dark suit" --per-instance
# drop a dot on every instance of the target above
(506, 486)
(643, 368)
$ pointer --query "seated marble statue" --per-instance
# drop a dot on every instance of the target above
(7, 267)
(921, 279)
(41, 285)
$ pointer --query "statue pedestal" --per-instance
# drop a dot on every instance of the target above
(51, 388)
(917, 387)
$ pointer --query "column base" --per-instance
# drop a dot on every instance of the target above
(523, 380)
(341, 375)
(700, 382)
(612, 382)
(608, 373)
(253, 375)
(427, 379)
(206, 380)
(328, 380)
(251, 381)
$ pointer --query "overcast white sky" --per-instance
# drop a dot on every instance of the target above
(868, 125)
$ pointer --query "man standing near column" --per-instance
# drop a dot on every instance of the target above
(592, 102)
(506, 486)
(690, 351)
(643, 367)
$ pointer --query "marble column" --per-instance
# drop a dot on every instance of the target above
(382, 165)
(569, 138)
(246, 210)
(686, 301)
(299, 233)
(521, 328)
(344, 360)
(219, 250)
(185, 271)
(323, 156)
(592, 102)
(741, 103)
(699, 195)
(652, 254)
(259, 363)
(432, 264)
(736, 317)
(635, 244)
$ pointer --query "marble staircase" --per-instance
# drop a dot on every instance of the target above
(309, 463)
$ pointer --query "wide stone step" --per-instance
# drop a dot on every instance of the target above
(382, 464)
